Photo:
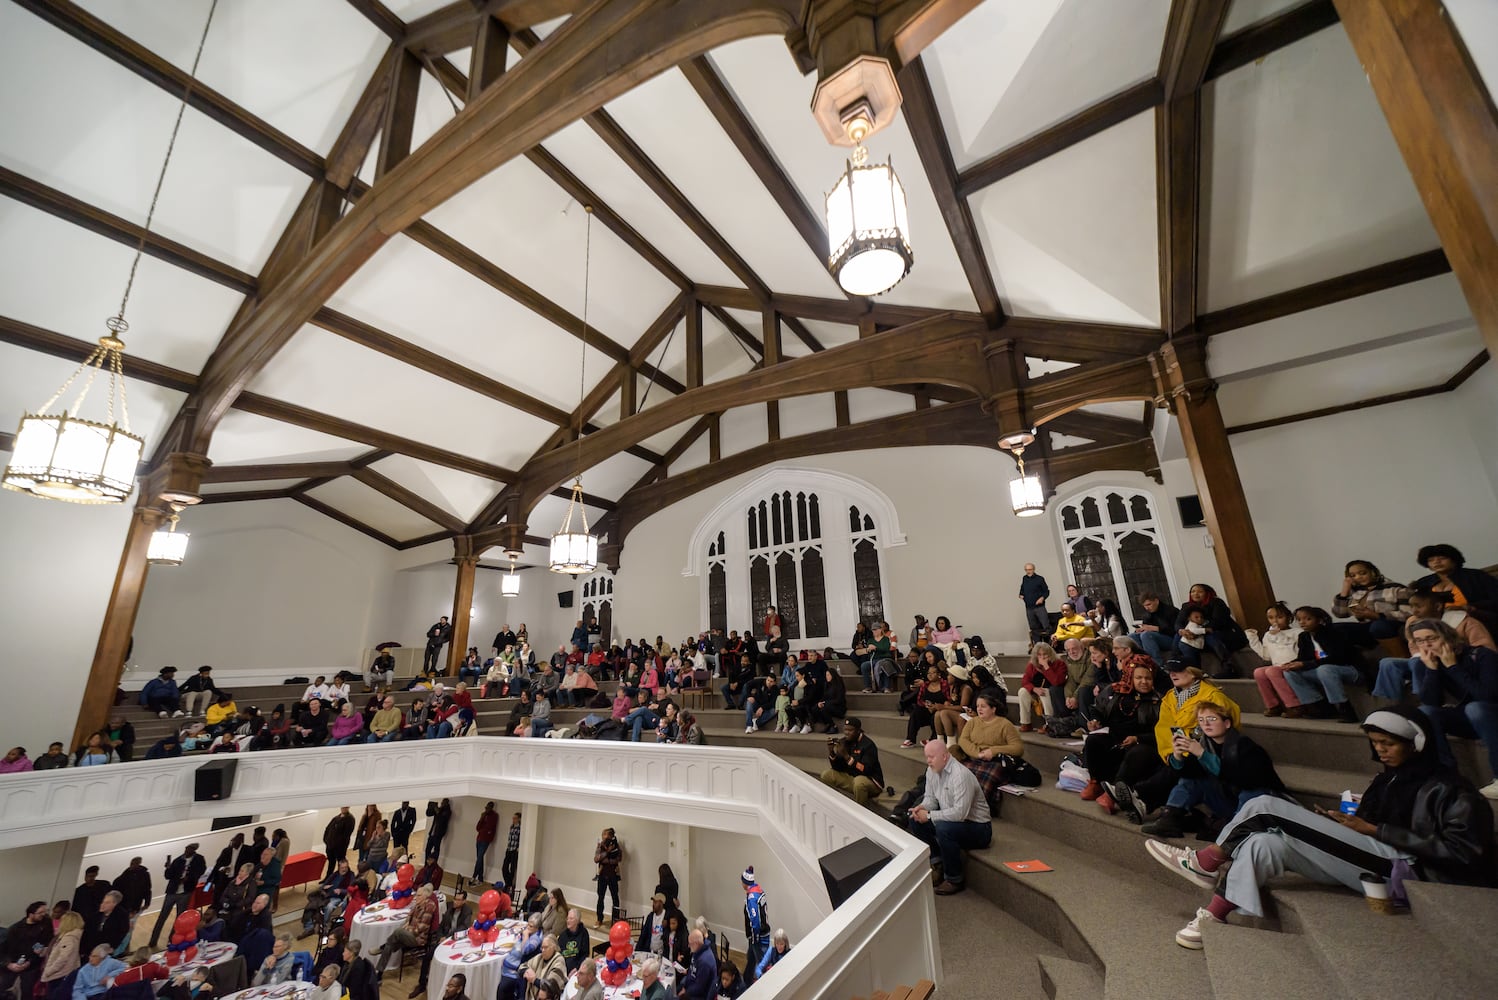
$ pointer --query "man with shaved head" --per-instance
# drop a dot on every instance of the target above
(952, 817)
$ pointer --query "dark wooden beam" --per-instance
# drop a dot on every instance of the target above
(115, 45)
(246, 496)
(840, 407)
(591, 499)
(738, 330)
(381, 17)
(1469, 369)
(1191, 33)
(1079, 341)
(1321, 293)
(436, 536)
(491, 46)
(345, 519)
(756, 152)
(924, 119)
(1064, 134)
(279, 470)
(1443, 117)
(769, 325)
(715, 439)
(1098, 427)
(290, 413)
(629, 384)
(693, 333)
(406, 498)
(70, 209)
(1250, 44)
(772, 419)
(22, 334)
(443, 367)
(831, 310)
(400, 113)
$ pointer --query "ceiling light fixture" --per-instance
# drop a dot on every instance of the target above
(509, 584)
(65, 457)
(576, 552)
(167, 547)
(1026, 494)
(868, 230)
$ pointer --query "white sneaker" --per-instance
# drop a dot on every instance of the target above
(748, 729)
(1490, 790)
(1190, 936)
(806, 729)
(177, 714)
(1182, 861)
(160, 715)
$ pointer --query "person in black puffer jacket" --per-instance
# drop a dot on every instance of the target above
(1417, 819)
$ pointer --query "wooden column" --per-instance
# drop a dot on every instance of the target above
(629, 385)
(693, 333)
(1192, 396)
(466, 558)
(177, 474)
(715, 438)
(771, 327)
(1444, 120)
(400, 114)
(772, 419)
(487, 62)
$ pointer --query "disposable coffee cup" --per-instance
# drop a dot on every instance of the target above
(1376, 892)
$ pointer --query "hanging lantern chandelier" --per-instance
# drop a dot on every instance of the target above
(868, 231)
(576, 552)
(1026, 494)
(168, 547)
(64, 456)
(509, 584)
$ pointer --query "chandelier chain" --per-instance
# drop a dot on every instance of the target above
(140, 247)
(582, 368)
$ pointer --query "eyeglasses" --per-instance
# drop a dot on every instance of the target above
(1208, 718)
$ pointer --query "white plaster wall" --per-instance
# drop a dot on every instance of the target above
(1373, 484)
(41, 871)
(419, 595)
(267, 587)
(565, 857)
(60, 561)
(718, 859)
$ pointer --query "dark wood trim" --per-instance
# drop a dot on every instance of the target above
(840, 407)
(345, 519)
(381, 17)
(590, 499)
(1250, 44)
(715, 438)
(739, 331)
(804, 335)
(1069, 340)
(406, 498)
(769, 328)
(772, 419)
(1467, 371)
(1098, 427)
(22, 334)
(491, 47)
(1417, 267)
(290, 413)
(693, 334)
(846, 311)
(924, 119)
(275, 470)
(64, 206)
(1066, 133)
(113, 44)
(436, 536)
(1191, 33)
(400, 113)
(247, 496)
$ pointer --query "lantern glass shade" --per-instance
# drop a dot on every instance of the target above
(61, 457)
(574, 552)
(868, 230)
(168, 547)
(509, 585)
(1026, 496)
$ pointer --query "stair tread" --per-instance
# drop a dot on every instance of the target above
(1065, 979)
(1243, 964)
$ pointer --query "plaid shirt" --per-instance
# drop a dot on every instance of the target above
(1391, 601)
(514, 842)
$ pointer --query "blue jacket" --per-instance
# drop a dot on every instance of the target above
(771, 956)
(701, 981)
(157, 686)
(510, 967)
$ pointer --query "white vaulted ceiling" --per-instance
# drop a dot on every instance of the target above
(444, 327)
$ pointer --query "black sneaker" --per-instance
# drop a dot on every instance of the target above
(1123, 797)
(1167, 826)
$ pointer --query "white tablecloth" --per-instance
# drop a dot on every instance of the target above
(455, 954)
(373, 925)
(210, 953)
(284, 991)
(632, 986)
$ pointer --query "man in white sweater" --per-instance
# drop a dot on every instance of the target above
(952, 817)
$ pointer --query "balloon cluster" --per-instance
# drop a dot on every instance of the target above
(401, 891)
(616, 965)
(486, 928)
(184, 946)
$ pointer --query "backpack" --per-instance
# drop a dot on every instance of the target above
(1061, 727)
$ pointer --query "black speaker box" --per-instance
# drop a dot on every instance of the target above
(564, 599)
(846, 869)
(214, 780)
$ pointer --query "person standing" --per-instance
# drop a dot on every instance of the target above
(756, 923)
(438, 635)
(402, 825)
(336, 836)
(440, 815)
(21, 954)
(512, 852)
(485, 830)
(1034, 592)
(183, 875)
(953, 815)
(90, 892)
(607, 856)
(368, 824)
(134, 884)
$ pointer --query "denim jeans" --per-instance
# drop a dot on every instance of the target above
(1190, 792)
(1308, 684)
(344, 741)
(640, 720)
(482, 847)
(1193, 656)
(1393, 671)
(731, 698)
(751, 706)
(1156, 644)
(947, 840)
(389, 737)
(540, 727)
(1475, 720)
(1039, 621)
(439, 730)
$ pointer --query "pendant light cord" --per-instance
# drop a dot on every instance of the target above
(118, 325)
(582, 368)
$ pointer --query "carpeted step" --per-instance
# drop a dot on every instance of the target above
(1247, 963)
(1063, 979)
(1461, 917)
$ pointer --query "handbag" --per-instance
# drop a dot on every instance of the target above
(1018, 771)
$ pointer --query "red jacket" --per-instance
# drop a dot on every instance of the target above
(488, 826)
(1053, 675)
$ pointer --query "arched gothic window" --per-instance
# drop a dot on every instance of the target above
(780, 541)
(1112, 543)
(597, 593)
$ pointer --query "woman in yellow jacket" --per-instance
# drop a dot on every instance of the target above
(1072, 626)
(1189, 686)
(221, 714)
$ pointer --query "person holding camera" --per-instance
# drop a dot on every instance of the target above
(853, 764)
(608, 855)
(1218, 767)
(182, 876)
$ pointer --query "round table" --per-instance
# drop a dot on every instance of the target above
(373, 925)
(210, 953)
(282, 991)
(632, 987)
(480, 965)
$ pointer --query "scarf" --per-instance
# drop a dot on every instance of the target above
(1126, 665)
(1185, 694)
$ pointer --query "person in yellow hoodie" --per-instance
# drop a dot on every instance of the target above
(1189, 687)
(1072, 626)
(221, 714)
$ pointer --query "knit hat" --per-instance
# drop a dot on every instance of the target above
(748, 877)
(532, 883)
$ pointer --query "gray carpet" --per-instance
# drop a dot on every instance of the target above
(986, 953)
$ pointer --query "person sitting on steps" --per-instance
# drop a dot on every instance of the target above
(1324, 661)
(1396, 671)
(1044, 673)
(1279, 646)
(1418, 818)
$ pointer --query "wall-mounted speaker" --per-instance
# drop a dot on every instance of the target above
(1191, 511)
(564, 599)
(214, 780)
(846, 869)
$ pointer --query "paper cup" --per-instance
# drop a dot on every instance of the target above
(1376, 892)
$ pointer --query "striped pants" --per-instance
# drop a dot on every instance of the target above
(1270, 836)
